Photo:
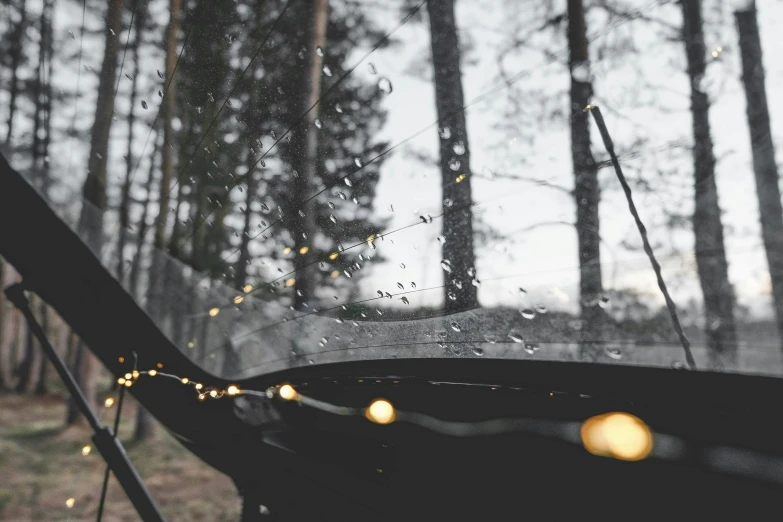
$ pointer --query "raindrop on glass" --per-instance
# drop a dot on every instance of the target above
(603, 302)
(371, 68)
(516, 337)
(404, 300)
(348, 182)
(441, 239)
(444, 133)
(318, 123)
(319, 51)
(528, 313)
(455, 327)
(614, 353)
(358, 162)
(332, 218)
(327, 71)
(446, 265)
(143, 104)
(447, 202)
(541, 309)
(401, 286)
(459, 148)
(454, 164)
(385, 86)
(478, 351)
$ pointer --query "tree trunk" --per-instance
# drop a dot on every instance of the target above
(16, 59)
(3, 328)
(240, 270)
(143, 428)
(24, 371)
(167, 111)
(94, 190)
(586, 190)
(135, 271)
(41, 387)
(305, 155)
(764, 166)
(707, 227)
(124, 209)
(457, 250)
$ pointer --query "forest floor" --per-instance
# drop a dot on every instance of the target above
(42, 466)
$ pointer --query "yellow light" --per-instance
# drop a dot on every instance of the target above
(588, 107)
(213, 394)
(618, 435)
(121, 380)
(135, 374)
(232, 390)
(289, 283)
(714, 54)
(159, 365)
(128, 384)
(199, 385)
(86, 450)
(121, 359)
(184, 380)
(109, 402)
(214, 311)
(287, 250)
(191, 344)
(288, 393)
(335, 274)
(70, 502)
(371, 238)
(248, 288)
(152, 373)
(333, 256)
(461, 178)
(719, 49)
(128, 376)
(201, 396)
(381, 411)
(304, 250)
(238, 299)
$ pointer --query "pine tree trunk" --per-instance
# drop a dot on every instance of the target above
(16, 62)
(167, 112)
(586, 190)
(305, 147)
(240, 270)
(135, 270)
(764, 166)
(124, 210)
(24, 371)
(94, 190)
(707, 227)
(457, 250)
(41, 387)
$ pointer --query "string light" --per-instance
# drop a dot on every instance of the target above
(128, 376)
(70, 502)
(238, 299)
(214, 311)
(233, 390)
(152, 373)
(121, 381)
(619, 435)
(304, 250)
(86, 450)
(109, 402)
(461, 178)
(287, 392)
(333, 256)
(287, 250)
(135, 374)
(247, 289)
(121, 359)
(381, 411)
(290, 282)
(184, 380)
(191, 344)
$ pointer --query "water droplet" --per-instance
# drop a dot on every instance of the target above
(338, 108)
(531, 349)
(446, 265)
(401, 286)
(458, 148)
(491, 339)
(332, 218)
(426, 218)
(476, 283)
(677, 365)
(143, 104)
(478, 351)
(371, 68)
(402, 265)
(522, 292)
(318, 123)
(528, 313)
(441, 239)
(603, 302)
(413, 285)
(348, 182)
(301, 213)
(614, 353)
(455, 327)
(451, 295)
(73, 36)
(160, 93)
(514, 336)
(404, 300)
(347, 273)
(581, 71)
(541, 309)
(358, 162)
(444, 133)
(160, 74)
(327, 71)
(385, 86)
(454, 164)
(447, 202)
(319, 51)
(128, 76)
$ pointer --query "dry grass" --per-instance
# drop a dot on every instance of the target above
(41, 466)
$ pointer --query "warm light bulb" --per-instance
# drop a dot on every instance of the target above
(128, 384)
(86, 450)
(121, 359)
(201, 396)
(460, 178)
(191, 344)
(128, 376)
(184, 380)
(248, 288)
(135, 374)
(232, 390)
(287, 250)
(238, 299)
(121, 380)
(213, 393)
(618, 435)
(159, 365)
(199, 385)
(381, 411)
(333, 256)
(290, 282)
(152, 373)
(335, 274)
(109, 402)
(214, 311)
(304, 250)
(70, 502)
(287, 392)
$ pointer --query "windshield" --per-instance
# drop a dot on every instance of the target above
(289, 183)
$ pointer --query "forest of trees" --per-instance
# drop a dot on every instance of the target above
(255, 144)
